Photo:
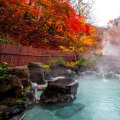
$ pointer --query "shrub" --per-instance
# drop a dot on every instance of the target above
(61, 60)
(4, 70)
(55, 60)
(83, 61)
(43, 64)
(91, 62)
(71, 64)
(98, 52)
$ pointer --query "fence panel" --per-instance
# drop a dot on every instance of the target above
(17, 55)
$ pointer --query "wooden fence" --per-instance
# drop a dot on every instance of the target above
(18, 56)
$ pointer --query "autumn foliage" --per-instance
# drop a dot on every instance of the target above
(45, 24)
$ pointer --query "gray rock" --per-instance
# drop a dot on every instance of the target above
(34, 66)
(48, 74)
(13, 92)
(22, 74)
(10, 87)
(117, 76)
(31, 97)
(37, 76)
(58, 70)
(36, 73)
(82, 68)
(109, 75)
(12, 112)
(62, 90)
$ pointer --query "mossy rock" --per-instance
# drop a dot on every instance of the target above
(11, 101)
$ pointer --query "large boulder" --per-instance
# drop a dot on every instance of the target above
(36, 73)
(22, 74)
(10, 87)
(48, 74)
(14, 85)
(83, 68)
(61, 90)
(35, 66)
(109, 75)
(14, 92)
(14, 112)
(75, 69)
(58, 69)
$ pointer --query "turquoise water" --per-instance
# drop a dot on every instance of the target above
(97, 99)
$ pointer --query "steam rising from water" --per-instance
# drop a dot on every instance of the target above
(111, 39)
(110, 49)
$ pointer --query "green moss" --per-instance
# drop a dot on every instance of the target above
(19, 101)
(27, 89)
(1, 115)
(1, 112)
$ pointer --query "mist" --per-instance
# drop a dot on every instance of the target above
(111, 39)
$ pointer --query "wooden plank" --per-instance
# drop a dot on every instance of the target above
(18, 55)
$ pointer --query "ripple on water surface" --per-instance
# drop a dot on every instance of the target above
(96, 100)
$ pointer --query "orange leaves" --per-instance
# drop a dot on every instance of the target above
(45, 23)
(22, 6)
(75, 26)
(111, 21)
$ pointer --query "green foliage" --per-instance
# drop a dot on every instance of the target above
(61, 60)
(98, 52)
(6, 40)
(27, 89)
(1, 111)
(71, 64)
(4, 70)
(55, 60)
(51, 61)
(19, 101)
(91, 62)
(83, 61)
(42, 63)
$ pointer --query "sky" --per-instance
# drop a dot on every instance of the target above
(105, 10)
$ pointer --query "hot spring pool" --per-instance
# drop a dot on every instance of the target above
(97, 99)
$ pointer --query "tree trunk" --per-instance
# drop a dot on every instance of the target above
(40, 9)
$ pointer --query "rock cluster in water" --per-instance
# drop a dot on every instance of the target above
(58, 70)
(14, 91)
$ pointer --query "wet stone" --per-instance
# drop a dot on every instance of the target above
(36, 73)
(58, 69)
(13, 111)
(62, 90)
